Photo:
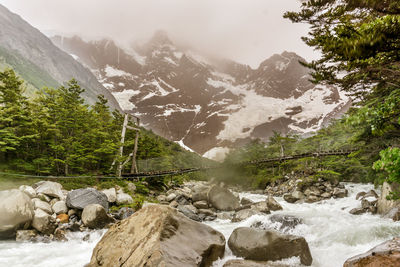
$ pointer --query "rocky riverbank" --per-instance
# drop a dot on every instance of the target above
(174, 218)
(44, 212)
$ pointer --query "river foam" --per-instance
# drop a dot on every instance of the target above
(332, 233)
(74, 252)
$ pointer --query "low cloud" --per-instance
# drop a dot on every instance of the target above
(248, 31)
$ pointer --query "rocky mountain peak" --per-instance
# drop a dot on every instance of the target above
(159, 38)
(213, 104)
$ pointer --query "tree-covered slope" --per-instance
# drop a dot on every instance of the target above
(38, 61)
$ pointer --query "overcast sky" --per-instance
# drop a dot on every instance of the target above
(248, 31)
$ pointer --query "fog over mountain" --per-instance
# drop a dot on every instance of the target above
(208, 104)
(210, 75)
(245, 31)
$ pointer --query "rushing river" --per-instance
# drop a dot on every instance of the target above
(331, 232)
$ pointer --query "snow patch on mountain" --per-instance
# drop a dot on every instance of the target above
(124, 98)
(182, 144)
(110, 71)
(217, 153)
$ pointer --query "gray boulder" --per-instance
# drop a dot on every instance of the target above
(340, 192)
(16, 211)
(39, 204)
(273, 204)
(111, 194)
(95, 216)
(158, 235)
(201, 204)
(123, 198)
(190, 212)
(80, 198)
(222, 199)
(60, 207)
(170, 197)
(200, 192)
(245, 201)
(245, 214)
(43, 222)
(261, 206)
(293, 197)
(51, 189)
(360, 195)
(261, 245)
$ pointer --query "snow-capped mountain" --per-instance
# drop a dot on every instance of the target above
(208, 104)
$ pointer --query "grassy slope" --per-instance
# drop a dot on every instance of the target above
(34, 76)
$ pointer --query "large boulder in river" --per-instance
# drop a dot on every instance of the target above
(222, 199)
(385, 205)
(80, 198)
(261, 245)
(16, 211)
(273, 204)
(51, 189)
(385, 254)
(158, 235)
(95, 216)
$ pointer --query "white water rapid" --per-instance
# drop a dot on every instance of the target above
(331, 232)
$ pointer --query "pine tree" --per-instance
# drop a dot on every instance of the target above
(14, 115)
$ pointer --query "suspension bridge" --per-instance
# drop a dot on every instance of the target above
(316, 154)
(157, 173)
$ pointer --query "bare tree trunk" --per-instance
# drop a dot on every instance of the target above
(134, 168)
(121, 149)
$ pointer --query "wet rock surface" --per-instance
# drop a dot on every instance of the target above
(385, 254)
(16, 211)
(80, 198)
(261, 245)
(165, 237)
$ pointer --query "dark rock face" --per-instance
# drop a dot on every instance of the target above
(185, 96)
(385, 254)
(260, 245)
(158, 235)
(80, 198)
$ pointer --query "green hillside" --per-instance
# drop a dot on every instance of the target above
(33, 75)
